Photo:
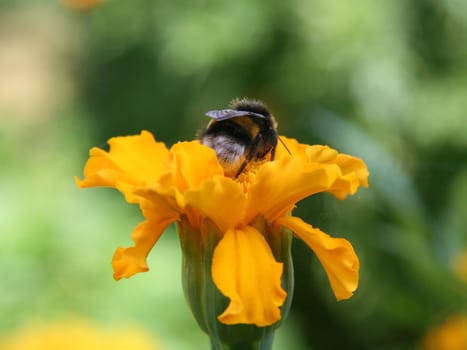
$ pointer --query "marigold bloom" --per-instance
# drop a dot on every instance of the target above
(76, 335)
(451, 335)
(186, 184)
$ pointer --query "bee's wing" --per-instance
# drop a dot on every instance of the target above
(223, 114)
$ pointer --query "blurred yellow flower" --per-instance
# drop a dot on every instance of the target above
(76, 335)
(186, 184)
(451, 335)
(459, 265)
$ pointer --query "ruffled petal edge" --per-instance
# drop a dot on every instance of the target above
(337, 255)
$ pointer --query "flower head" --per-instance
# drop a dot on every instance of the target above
(76, 335)
(187, 184)
(451, 335)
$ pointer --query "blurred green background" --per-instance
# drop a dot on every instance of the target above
(382, 80)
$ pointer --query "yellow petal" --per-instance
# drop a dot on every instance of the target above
(353, 169)
(245, 271)
(221, 199)
(320, 153)
(131, 161)
(280, 184)
(295, 148)
(157, 203)
(128, 261)
(355, 174)
(191, 164)
(98, 171)
(305, 171)
(335, 254)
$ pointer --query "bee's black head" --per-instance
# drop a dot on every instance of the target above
(254, 106)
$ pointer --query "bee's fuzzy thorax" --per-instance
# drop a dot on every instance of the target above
(255, 106)
(245, 132)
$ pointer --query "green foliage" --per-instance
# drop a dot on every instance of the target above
(384, 80)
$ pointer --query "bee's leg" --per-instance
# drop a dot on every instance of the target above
(252, 151)
(273, 152)
(242, 167)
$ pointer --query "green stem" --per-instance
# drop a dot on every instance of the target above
(264, 344)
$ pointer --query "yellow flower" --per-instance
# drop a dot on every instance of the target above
(451, 335)
(186, 184)
(76, 335)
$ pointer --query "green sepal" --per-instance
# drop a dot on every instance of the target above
(207, 302)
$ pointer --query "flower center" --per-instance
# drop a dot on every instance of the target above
(248, 175)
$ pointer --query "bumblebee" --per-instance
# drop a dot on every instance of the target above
(245, 132)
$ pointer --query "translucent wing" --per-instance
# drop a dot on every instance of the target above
(223, 114)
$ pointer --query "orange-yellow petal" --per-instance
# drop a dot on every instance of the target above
(294, 148)
(353, 169)
(131, 161)
(280, 184)
(128, 261)
(157, 203)
(349, 165)
(321, 153)
(98, 171)
(245, 271)
(355, 174)
(192, 163)
(335, 254)
(305, 171)
(221, 199)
